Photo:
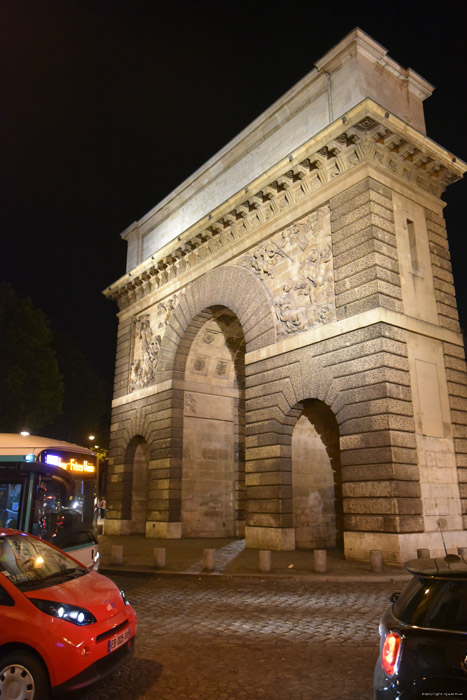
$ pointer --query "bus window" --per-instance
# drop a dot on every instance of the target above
(10, 497)
(56, 519)
(85, 501)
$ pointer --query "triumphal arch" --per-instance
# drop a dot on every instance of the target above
(290, 367)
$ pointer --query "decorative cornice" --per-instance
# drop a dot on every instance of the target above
(366, 134)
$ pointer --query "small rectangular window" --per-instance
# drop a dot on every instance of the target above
(413, 245)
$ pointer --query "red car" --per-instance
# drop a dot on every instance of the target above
(62, 626)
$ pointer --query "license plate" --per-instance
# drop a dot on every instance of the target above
(118, 640)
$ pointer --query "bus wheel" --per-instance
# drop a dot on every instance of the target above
(22, 677)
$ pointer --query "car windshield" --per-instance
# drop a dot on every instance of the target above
(31, 563)
(434, 603)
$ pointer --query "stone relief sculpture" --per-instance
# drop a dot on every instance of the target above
(264, 259)
(292, 317)
(296, 265)
(142, 369)
(190, 404)
(146, 344)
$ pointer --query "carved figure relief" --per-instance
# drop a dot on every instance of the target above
(199, 364)
(209, 337)
(146, 350)
(190, 403)
(221, 368)
(165, 309)
(264, 259)
(146, 343)
(296, 265)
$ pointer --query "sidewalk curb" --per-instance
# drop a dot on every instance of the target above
(312, 578)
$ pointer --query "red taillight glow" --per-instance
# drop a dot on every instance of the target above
(391, 648)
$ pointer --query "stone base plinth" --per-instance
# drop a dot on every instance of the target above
(117, 527)
(398, 548)
(169, 531)
(278, 538)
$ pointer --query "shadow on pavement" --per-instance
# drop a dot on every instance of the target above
(138, 674)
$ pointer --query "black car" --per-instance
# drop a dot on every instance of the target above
(423, 646)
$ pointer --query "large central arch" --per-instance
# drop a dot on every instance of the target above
(213, 435)
(242, 294)
(234, 287)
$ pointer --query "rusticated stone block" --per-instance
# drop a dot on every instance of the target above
(271, 505)
(269, 519)
(402, 506)
(374, 472)
(268, 492)
(381, 489)
(268, 479)
(364, 523)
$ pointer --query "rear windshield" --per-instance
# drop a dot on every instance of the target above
(434, 603)
(30, 563)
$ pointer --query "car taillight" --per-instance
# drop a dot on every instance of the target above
(390, 652)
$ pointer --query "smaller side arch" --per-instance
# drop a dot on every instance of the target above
(136, 468)
(316, 477)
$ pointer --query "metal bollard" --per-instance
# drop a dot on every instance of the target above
(208, 556)
(376, 560)
(117, 554)
(423, 553)
(320, 560)
(159, 557)
(264, 560)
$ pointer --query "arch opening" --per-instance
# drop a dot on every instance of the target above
(316, 478)
(213, 471)
(137, 464)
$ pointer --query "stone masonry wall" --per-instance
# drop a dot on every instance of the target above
(442, 271)
(363, 377)
(453, 354)
(364, 246)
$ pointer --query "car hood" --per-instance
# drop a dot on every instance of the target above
(95, 592)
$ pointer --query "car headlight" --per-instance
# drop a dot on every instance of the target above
(71, 613)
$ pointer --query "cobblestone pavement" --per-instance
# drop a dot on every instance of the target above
(244, 639)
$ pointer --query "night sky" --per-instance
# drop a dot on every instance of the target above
(108, 105)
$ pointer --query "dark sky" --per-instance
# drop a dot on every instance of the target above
(108, 105)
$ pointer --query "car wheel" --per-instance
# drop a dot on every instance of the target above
(22, 677)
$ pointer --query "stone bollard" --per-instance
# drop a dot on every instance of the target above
(320, 560)
(117, 554)
(423, 553)
(264, 560)
(159, 557)
(208, 556)
(462, 551)
(376, 560)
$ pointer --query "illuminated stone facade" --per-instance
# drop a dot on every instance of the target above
(290, 366)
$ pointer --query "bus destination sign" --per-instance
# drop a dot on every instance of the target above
(71, 464)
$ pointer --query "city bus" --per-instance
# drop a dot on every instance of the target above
(48, 489)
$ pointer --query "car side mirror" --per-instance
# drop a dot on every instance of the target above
(393, 597)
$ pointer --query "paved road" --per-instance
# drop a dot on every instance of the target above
(242, 639)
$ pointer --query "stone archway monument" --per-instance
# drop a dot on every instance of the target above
(319, 231)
